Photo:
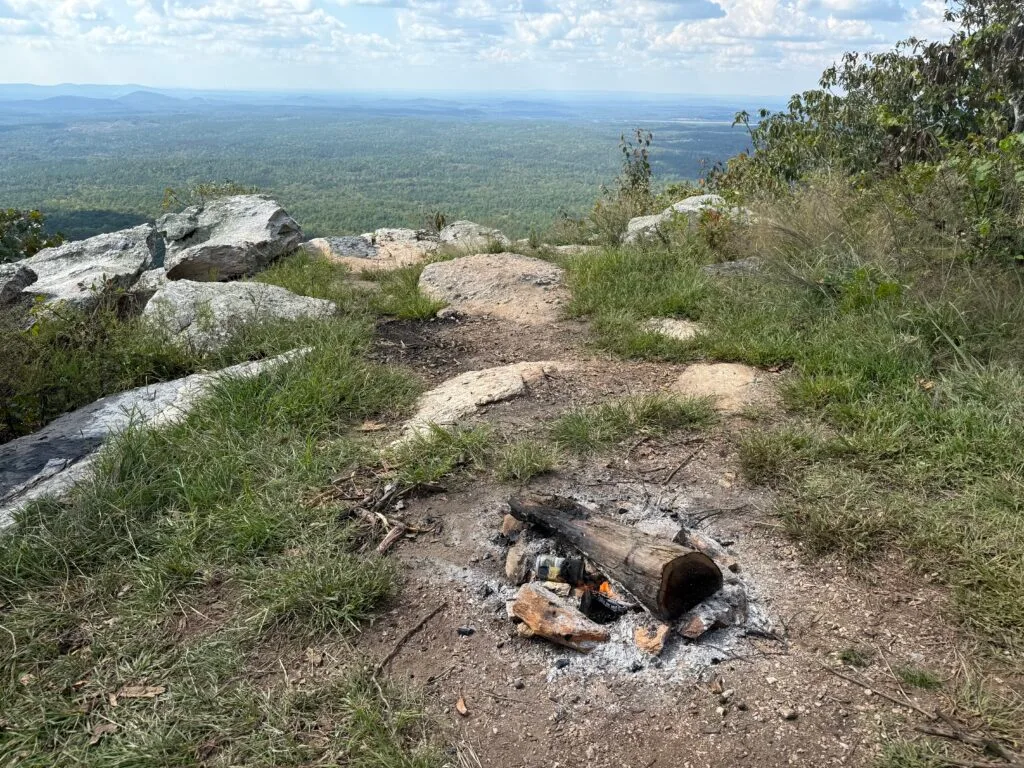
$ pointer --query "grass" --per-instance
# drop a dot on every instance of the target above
(919, 677)
(189, 565)
(436, 452)
(902, 370)
(400, 295)
(523, 460)
(586, 430)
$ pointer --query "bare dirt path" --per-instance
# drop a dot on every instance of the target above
(765, 699)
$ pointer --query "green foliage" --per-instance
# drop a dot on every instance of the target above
(400, 295)
(345, 173)
(176, 564)
(919, 678)
(938, 124)
(586, 430)
(23, 234)
(632, 194)
(69, 358)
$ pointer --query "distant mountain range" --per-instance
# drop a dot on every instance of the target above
(24, 102)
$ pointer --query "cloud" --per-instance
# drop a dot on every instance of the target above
(878, 10)
(584, 40)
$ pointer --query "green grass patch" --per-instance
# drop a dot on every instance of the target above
(400, 295)
(919, 677)
(189, 561)
(435, 452)
(523, 460)
(586, 430)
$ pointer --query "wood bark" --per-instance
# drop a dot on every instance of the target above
(549, 617)
(666, 578)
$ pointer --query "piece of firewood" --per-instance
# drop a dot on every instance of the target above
(665, 577)
(549, 617)
(704, 543)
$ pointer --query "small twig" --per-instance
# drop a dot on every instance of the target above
(404, 639)
(499, 697)
(682, 464)
(398, 531)
(984, 744)
(908, 704)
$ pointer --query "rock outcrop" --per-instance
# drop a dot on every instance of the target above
(457, 398)
(205, 315)
(56, 458)
(384, 249)
(680, 330)
(691, 208)
(504, 285)
(81, 272)
(14, 278)
(227, 238)
(472, 237)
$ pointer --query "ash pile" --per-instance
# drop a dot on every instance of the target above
(622, 598)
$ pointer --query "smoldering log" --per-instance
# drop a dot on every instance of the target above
(666, 578)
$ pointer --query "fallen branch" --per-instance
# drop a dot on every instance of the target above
(985, 745)
(404, 639)
(908, 704)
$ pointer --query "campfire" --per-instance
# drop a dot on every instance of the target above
(580, 573)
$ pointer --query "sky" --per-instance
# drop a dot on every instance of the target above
(702, 47)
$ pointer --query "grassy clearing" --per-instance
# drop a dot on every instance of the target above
(904, 367)
(141, 618)
(586, 430)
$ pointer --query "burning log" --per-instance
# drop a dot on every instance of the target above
(665, 577)
(546, 616)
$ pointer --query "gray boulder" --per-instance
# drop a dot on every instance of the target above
(79, 273)
(14, 278)
(205, 315)
(692, 208)
(227, 238)
(57, 457)
(149, 282)
(471, 237)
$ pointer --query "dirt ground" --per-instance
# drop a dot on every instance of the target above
(732, 698)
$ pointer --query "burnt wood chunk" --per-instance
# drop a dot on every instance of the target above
(666, 578)
(546, 615)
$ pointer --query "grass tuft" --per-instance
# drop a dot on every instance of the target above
(523, 460)
(586, 430)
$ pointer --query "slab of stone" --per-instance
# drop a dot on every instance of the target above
(502, 285)
(732, 386)
(79, 273)
(59, 456)
(382, 250)
(457, 398)
(692, 208)
(206, 315)
(227, 238)
(471, 237)
(680, 330)
(14, 278)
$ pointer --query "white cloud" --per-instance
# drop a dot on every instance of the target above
(590, 43)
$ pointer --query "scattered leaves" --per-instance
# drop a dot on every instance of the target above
(461, 708)
(101, 730)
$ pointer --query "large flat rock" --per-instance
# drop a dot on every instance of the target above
(732, 386)
(56, 458)
(206, 315)
(503, 285)
(470, 237)
(227, 238)
(457, 398)
(81, 272)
